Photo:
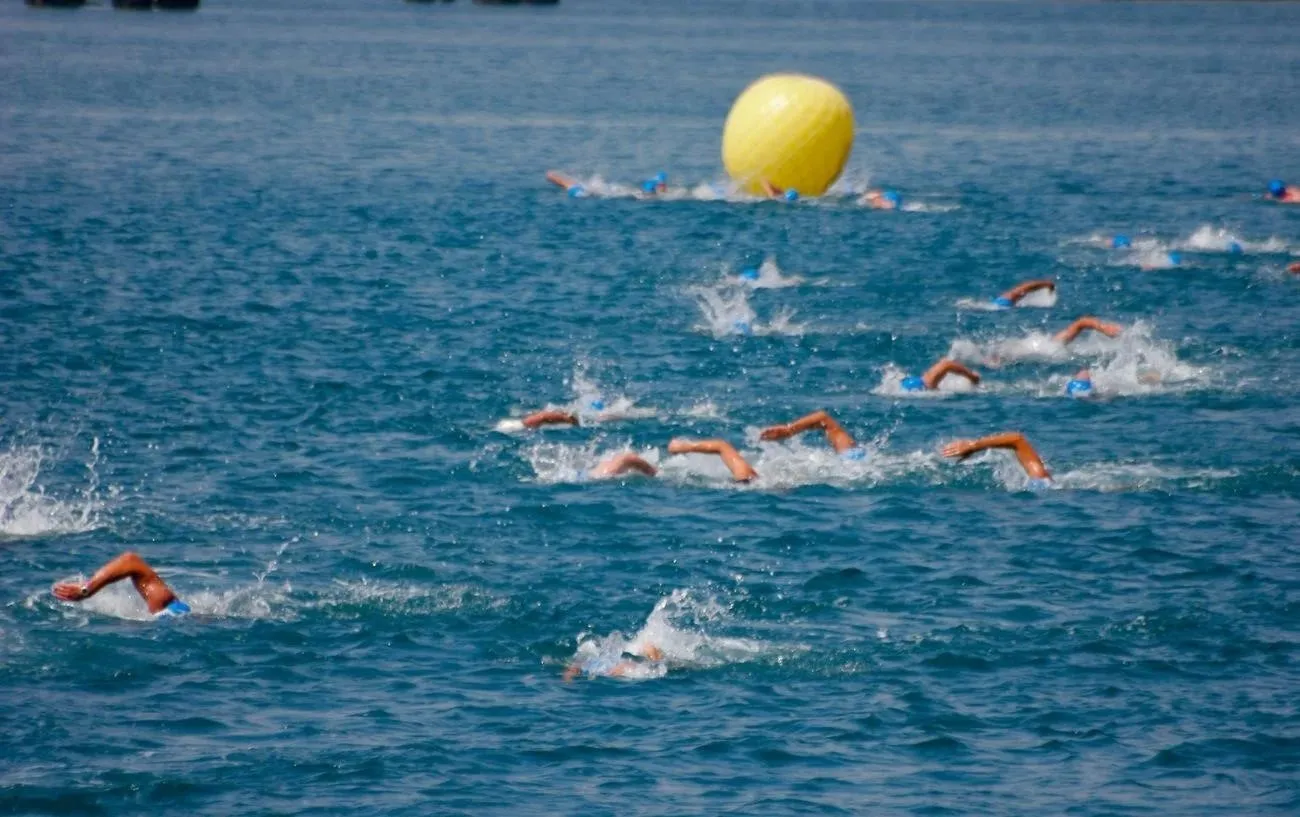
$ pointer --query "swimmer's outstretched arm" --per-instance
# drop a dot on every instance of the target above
(771, 190)
(550, 418)
(839, 439)
(623, 464)
(741, 471)
(1021, 290)
(129, 565)
(1073, 331)
(1014, 440)
(936, 373)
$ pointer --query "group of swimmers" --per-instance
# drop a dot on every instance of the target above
(163, 602)
(657, 185)
(841, 441)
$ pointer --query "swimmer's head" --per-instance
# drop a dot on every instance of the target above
(1235, 248)
(891, 196)
(1078, 388)
(577, 191)
(1276, 188)
(749, 274)
(856, 453)
(791, 195)
(1175, 258)
(596, 404)
(912, 383)
(649, 186)
(1002, 303)
(1121, 241)
(743, 327)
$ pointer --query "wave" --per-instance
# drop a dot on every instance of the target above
(26, 510)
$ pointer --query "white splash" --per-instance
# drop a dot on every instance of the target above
(765, 276)
(676, 628)
(570, 464)
(27, 510)
(727, 313)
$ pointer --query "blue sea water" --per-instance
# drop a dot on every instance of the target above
(271, 274)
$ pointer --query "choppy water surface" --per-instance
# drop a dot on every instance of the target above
(270, 279)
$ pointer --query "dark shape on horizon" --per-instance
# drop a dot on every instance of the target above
(134, 5)
(58, 4)
(177, 5)
(516, 2)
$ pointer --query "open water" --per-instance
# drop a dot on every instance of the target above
(271, 273)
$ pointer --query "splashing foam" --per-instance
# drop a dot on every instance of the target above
(676, 627)
(559, 464)
(891, 385)
(25, 508)
(769, 277)
(727, 313)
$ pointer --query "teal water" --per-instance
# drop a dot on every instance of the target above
(269, 278)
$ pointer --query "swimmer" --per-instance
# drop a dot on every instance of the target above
(840, 440)
(610, 667)
(774, 192)
(557, 417)
(155, 592)
(1080, 385)
(656, 184)
(620, 464)
(1283, 193)
(933, 376)
(1014, 440)
(881, 200)
(570, 186)
(1012, 296)
(1121, 242)
(1162, 261)
(1294, 269)
(741, 471)
(1069, 333)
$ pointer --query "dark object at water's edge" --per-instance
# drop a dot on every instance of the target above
(60, 4)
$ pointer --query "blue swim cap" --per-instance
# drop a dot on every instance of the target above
(1003, 303)
(855, 453)
(649, 185)
(1276, 188)
(596, 405)
(743, 327)
(1078, 388)
(1119, 242)
(893, 198)
(912, 383)
(577, 191)
(1175, 258)
(1234, 248)
(792, 195)
(749, 274)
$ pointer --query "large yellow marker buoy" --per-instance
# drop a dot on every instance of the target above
(793, 132)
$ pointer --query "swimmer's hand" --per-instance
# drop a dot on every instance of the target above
(777, 432)
(961, 449)
(67, 591)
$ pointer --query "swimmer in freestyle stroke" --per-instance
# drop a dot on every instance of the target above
(741, 471)
(1080, 325)
(881, 200)
(1283, 193)
(840, 440)
(155, 592)
(1012, 440)
(1013, 296)
(611, 666)
(933, 376)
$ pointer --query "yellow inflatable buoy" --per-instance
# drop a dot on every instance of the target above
(790, 131)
